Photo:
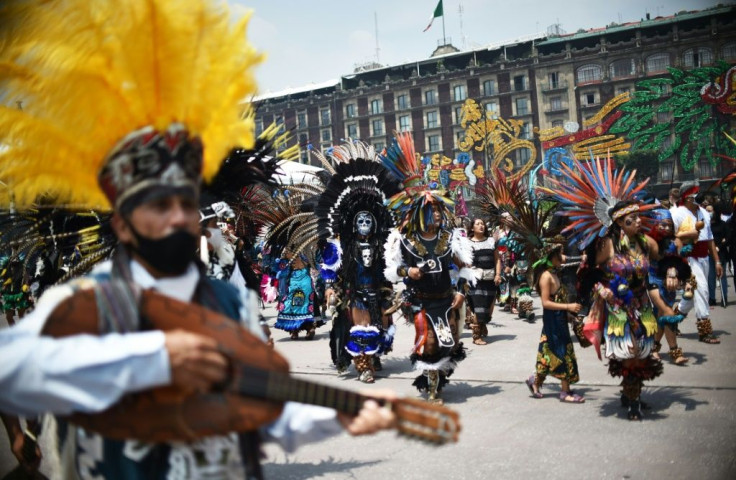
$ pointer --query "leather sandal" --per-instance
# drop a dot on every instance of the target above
(565, 396)
(530, 384)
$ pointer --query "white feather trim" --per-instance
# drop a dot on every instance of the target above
(360, 328)
(338, 263)
(461, 247)
(444, 365)
(226, 254)
(472, 275)
(392, 256)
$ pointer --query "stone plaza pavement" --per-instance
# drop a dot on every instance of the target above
(689, 432)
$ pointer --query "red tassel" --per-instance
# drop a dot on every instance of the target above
(420, 325)
(593, 327)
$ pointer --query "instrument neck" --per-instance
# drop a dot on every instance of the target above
(281, 387)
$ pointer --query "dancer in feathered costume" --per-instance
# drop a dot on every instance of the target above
(520, 220)
(228, 216)
(668, 271)
(423, 253)
(501, 200)
(603, 205)
(48, 245)
(692, 228)
(290, 238)
(354, 224)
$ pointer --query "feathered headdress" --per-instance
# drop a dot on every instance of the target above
(117, 84)
(413, 205)
(287, 219)
(497, 195)
(360, 183)
(54, 245)
(588, 194)
(526, 219)
(242, 169)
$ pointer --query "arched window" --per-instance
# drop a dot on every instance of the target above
(623, 68)
(728, 52)
(697, 57)
(658, 62)
(590, 73)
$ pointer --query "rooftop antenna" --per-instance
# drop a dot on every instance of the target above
(378, 49)
(460, 13)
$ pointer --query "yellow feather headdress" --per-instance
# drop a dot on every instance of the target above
(77, 76)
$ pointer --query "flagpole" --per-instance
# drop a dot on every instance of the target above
(444, 37)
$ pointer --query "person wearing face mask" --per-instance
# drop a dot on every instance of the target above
(155, 84)
(353, 225)
(692, 224)
(423, 253)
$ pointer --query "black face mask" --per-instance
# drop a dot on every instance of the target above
(169, 255)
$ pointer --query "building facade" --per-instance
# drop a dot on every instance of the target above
(546, 82)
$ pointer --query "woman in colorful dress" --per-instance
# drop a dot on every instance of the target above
(630, 323)
(296, 298)
(603, 205)
(555, 356)
(487, 267)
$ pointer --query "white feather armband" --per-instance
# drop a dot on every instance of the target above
(393, 257)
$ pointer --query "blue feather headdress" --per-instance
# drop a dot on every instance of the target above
(415, 203)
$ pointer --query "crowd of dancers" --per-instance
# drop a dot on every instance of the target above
(369, 240)
(121, 184)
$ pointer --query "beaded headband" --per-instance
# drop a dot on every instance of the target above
(625, 211)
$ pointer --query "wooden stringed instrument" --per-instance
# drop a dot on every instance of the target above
(258, 384)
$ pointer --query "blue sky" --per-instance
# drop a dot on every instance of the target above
(313, 41)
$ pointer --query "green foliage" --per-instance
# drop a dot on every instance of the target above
(697, 125)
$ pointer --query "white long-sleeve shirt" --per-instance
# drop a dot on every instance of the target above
(86, 373)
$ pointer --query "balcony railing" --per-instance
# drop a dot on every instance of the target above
(556, 108)
(554, 86)
(590, 105)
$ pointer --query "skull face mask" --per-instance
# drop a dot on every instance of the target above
(364, 222)
(366, 254)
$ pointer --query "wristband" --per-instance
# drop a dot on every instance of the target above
(402, 271)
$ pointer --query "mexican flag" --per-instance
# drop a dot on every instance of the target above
(437, 13)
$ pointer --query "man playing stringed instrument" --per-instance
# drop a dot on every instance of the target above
(140, 132)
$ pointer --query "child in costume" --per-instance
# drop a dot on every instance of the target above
(556, 355)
